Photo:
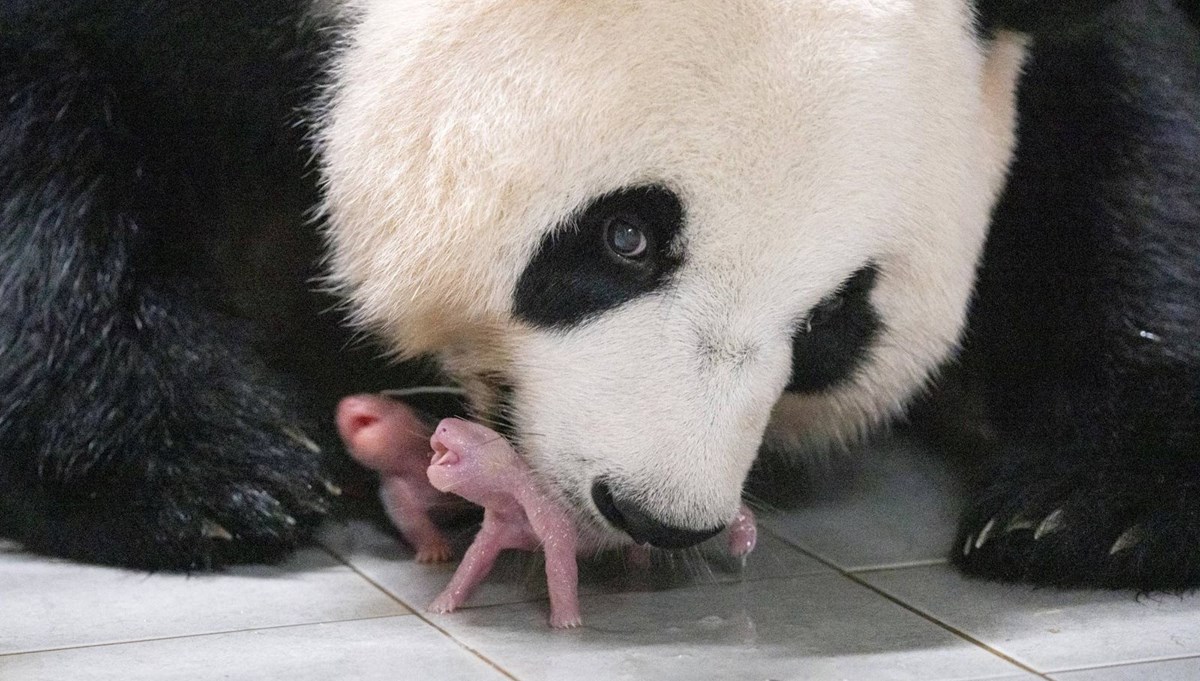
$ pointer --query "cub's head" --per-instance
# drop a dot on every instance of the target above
(645, 235)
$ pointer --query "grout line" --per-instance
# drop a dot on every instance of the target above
(954, 630)
(848, 574)
(711, 575)
(420, 615)
(1126, 663)
(203, 634)
(679, 587)
(928, 562)
(796, 546)
(799, 546)
(853, 576)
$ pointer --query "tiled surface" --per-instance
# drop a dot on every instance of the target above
(850, 587)
(47, 604)
(898, 507)
(1186, 669)
(1051, 629)
(815, 627)
(383, 649)
(519, 577)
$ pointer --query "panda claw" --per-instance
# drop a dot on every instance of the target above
(213, 530)
(966, 549)
(985, 533)
(1128, 539)
(1018, 523)
(1049, 524)
(299, 437)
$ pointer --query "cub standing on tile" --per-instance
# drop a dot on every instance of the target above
(654, 240)
(424, 469)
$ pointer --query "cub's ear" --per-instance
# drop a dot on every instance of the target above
(1045, 17)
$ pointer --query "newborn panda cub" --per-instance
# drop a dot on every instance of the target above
(476, 463)
(389, 437)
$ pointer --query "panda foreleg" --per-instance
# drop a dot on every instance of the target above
(135, 429)
(1086, 328)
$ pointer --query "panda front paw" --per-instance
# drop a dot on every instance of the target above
(1125, 524)
(189, 459)
(179, 505)
(256, 507)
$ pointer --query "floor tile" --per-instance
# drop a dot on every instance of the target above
(816, 627)
(1187, 669)
(898, 507)
(384, 649)
(52, 604)
(1050, 629)
(520, 577)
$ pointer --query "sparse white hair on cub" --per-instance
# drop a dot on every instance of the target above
(804, 139)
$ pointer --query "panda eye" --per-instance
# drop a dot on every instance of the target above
(626, 238)
(617, 247)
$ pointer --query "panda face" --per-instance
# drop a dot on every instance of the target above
(646, 235)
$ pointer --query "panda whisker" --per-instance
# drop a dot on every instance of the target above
(757, 503)
(701, 564)
(401, 393)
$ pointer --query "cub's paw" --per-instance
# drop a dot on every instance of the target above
(444, 604)
(1126, 524)
(566, 620)
(435, 552)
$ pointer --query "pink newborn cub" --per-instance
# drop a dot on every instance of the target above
(388, 437)
(475, 463)
(479, 465)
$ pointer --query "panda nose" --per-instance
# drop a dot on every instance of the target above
(643, 527)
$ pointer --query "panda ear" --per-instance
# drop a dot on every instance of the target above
(1039, 17)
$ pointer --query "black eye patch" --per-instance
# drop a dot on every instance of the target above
(597, 259)
(834, 338)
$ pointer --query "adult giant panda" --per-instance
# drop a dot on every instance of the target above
(651, 239)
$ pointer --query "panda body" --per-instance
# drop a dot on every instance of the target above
(647, 262)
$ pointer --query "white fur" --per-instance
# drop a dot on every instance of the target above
(805, 137)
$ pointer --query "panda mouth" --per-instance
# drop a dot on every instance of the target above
(495, 411)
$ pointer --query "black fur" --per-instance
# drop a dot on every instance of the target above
(160, 357)
(1085, 331)
(834, 339)
(1041, 17)
(574, 276)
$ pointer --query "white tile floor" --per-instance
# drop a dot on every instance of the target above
(851, 587)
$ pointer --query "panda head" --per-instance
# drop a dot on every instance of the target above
(646, 235)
